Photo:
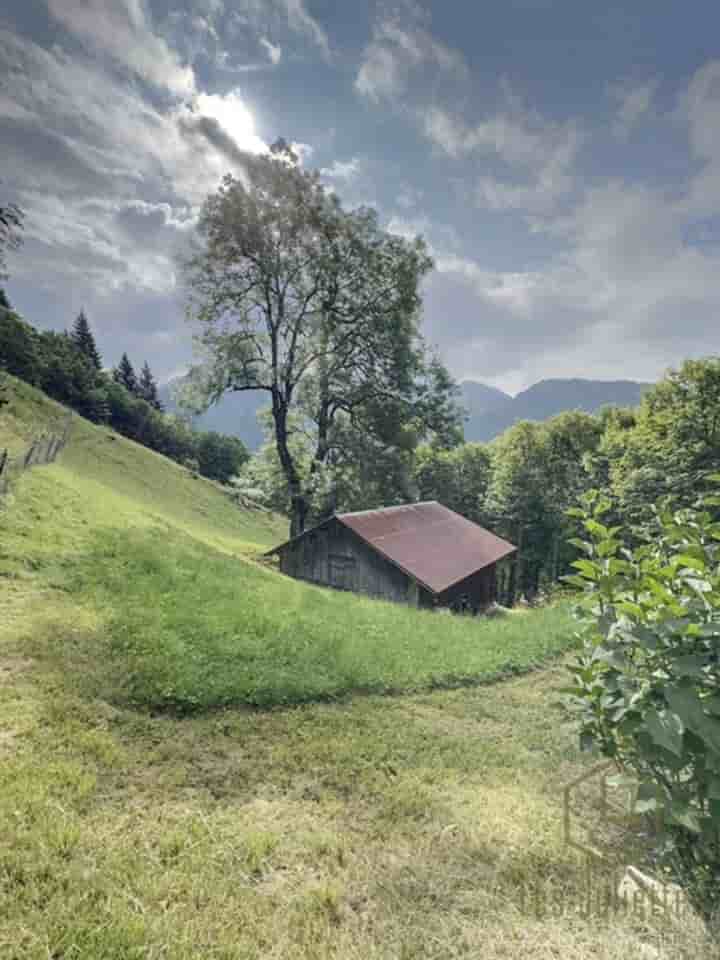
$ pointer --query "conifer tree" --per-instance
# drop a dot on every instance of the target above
(124, 374)
(83, 339)
(148, 387)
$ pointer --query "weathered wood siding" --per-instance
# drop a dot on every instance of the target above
(480, 588)
(335, 557)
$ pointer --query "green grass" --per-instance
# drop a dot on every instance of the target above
(378, 827)
(183, 620)
(196, 629)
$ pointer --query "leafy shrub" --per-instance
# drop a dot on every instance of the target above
(647, 686)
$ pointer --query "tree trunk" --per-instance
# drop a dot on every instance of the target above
(298, 500)
(298, 514)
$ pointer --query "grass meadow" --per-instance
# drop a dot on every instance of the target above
(199, 757)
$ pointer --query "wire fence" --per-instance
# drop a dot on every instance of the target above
(43, 449)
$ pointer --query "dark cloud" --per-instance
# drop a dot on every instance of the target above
(197, 127)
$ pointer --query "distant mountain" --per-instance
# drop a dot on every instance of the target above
(548, 398)
(235, 414)
(480, 399)
(490, 410)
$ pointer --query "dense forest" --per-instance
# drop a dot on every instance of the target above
(67, 366)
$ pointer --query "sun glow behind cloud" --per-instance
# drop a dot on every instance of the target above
(234, 117)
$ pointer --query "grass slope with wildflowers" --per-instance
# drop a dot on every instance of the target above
(376, 827)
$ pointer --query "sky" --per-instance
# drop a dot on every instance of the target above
(561, 158)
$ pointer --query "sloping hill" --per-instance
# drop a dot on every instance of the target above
(424, 826)
(141, 484)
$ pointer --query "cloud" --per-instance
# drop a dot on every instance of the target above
(302, 22)
(625, 296)
(226, 122)
(342, 170)
(121, 29)
(110, 184)
(539, 155)
(273, 51)
(401, 45)
(634, 101)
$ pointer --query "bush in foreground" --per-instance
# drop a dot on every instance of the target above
(648, 685)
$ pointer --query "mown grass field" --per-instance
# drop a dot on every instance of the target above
(340, 823)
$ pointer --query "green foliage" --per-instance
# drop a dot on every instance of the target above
(19, 354)
(648, 685)
(147, 387)
(219, 457)
(125, 375)
(458, 477)
(84, 340)
(673, 444)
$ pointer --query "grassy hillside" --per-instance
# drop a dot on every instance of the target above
(375, 828)
(182, 618)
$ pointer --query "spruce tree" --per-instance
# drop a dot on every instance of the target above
(148, 387)
(124, 374)
(84, 340)
(4, 302)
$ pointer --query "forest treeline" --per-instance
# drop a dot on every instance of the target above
(68, 367)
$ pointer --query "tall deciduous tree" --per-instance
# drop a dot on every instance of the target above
(147, 387)
(85, 341)
(125, 375)
(318, 307)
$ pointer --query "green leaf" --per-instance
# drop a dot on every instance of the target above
(628, 607)
(695, 563)
(666, 730)
(575, 581)
(596, 528)
(587, 567)
(582, 545)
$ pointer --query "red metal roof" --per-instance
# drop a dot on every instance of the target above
(432, 543)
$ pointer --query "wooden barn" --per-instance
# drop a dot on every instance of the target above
(423, 554)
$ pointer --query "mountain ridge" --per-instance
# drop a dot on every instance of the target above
(490, 410)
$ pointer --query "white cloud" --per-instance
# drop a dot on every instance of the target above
(88, 159)
(634, 101)
(342, 170)
(273, 51)
(539, 155)
(401, 45)
(441, 239)
(302, 22)
(625, 297)
(121, 29)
